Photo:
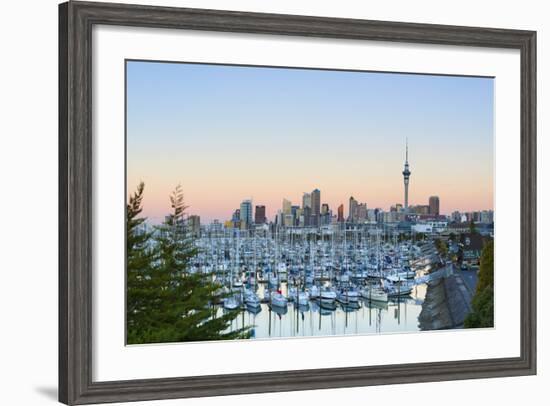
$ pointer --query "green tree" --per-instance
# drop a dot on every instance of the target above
(139, 265)
(483, 301)
(486, 267)
(441, 247)
(176, 304)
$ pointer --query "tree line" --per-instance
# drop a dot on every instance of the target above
(165, 301)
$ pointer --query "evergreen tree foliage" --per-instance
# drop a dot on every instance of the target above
(173, 304)
(139, 265)
(483, 303)
(486, 267)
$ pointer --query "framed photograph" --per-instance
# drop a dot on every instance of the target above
(259, 202)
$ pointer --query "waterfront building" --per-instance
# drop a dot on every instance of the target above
(434, 205)
(406, 175)
(246, 214)
(259, 215)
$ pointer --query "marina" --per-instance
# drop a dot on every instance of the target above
(318, 281)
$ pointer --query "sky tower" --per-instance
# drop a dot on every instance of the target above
(406, 174)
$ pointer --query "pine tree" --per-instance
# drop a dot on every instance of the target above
(177, 305)
(139, 266)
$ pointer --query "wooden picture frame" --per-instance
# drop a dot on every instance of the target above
(76, 20)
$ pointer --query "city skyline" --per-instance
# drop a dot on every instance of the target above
(264, 150)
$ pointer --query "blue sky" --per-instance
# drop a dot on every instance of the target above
(229, 132)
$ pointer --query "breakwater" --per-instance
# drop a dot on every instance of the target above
(447, 303)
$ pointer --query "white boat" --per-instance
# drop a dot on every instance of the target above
(328, 295)
(267, 295)
(251, 299)
(348, 296)
(231, 303)
(292, 293)
(374, 294)
(278, 300)
(399, 289)
(303, 298)
(314, 292)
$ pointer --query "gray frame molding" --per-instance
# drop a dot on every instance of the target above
(75, 196)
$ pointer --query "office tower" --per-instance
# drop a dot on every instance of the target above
(287, 206)
(456, 216)
(340, 218)
(434, 205)
(361, 213)
(306, 214)
(195, 225)
(259, 215)
(352, 210)
(246, 214)
(487, 216)
(306, 200)
(316, 206)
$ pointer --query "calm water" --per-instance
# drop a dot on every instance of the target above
(369, 318)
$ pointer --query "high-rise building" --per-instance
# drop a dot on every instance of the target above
(306, 214)
(361, 213)
(324, 208)
(287, 206)
(352, 214)
(434, 205)
(340, 218)
(371, 215)
(246, 214)
(236, 218)
(456, 216)
(486, 216)
(195, 225)
(406, 175)
(306, 200)
(316, 206)
(259, 215)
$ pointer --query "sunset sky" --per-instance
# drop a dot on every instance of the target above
(229, 133)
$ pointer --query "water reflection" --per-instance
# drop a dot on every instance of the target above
(363, 317)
